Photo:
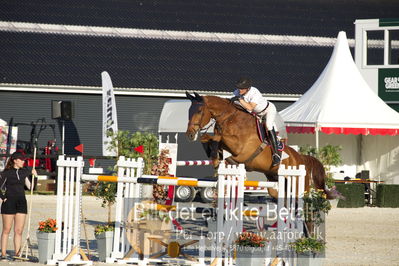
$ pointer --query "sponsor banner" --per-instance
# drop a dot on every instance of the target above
(110, 122)
(4, 130)
(388, 84)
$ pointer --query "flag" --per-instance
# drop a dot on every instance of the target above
(110, 122)
(79, 148)
(92, 162)
(139, 149)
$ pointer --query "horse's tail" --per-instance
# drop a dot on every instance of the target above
(318, 176)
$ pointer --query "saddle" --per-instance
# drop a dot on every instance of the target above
(261, 130)
(263, 136)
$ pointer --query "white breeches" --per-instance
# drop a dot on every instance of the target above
(269, 114)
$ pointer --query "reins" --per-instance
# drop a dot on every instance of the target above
(214, 117)
(226, 119)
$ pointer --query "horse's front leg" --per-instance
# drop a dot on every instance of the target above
(211, 145)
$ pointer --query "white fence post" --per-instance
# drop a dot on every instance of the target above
(290, 199)
(68, 214)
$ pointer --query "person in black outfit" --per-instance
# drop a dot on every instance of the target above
(14, 206)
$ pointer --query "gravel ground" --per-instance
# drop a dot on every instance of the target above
(360, 236)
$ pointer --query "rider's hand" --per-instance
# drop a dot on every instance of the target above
(235, 98)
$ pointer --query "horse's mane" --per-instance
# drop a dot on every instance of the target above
(230, 104)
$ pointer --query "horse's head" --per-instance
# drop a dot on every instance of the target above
(198, 115)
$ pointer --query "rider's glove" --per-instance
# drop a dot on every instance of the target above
(235, 98)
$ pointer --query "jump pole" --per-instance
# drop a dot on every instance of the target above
(173, 181)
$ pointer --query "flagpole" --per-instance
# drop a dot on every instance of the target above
(27, 246)
(84, 222)
(80, 148)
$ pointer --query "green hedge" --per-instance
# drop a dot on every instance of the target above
(354, 194)
(387, 196)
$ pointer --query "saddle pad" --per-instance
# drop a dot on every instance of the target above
(262, 134)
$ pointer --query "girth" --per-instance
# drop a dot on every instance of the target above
(258, 150)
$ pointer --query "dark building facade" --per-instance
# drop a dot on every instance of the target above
(38, 67)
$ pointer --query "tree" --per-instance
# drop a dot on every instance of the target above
(328, 155)
(126, 143)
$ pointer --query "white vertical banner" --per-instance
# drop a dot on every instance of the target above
(110, 122)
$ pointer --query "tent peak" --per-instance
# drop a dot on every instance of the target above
(340, 98)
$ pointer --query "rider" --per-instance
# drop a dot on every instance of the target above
(252, 100)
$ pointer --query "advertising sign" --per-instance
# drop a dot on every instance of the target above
(3, 143)
(388, 84)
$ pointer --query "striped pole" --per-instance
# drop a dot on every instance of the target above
(171, 181)
(160, 180)
(194, 163)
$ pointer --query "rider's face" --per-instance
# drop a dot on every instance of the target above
(243, 91)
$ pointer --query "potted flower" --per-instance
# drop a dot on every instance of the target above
(316, 206)
(308, 250)
(104, 234)
(46, 239)
(250, 249)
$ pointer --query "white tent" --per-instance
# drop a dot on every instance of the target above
(341, 102)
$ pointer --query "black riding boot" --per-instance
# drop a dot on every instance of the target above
(276, 156)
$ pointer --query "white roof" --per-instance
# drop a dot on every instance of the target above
(174, 116)
(341, 102)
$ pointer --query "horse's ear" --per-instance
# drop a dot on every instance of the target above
(198, 97)
(189, 96)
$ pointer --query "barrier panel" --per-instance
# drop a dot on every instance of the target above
(231, 186)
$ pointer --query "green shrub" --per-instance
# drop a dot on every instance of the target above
(308, 244)
(354, 194)
(387, 195)
(125, 143)
(328, 155)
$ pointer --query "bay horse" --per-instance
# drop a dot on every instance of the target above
(235, 132)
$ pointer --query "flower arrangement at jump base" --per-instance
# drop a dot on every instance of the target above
(315, 202)
(48, 226)
(250, 249)
(248, 239)
(101, 228)
(308, 244)
(46, 239)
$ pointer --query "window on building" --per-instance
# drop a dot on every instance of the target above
(375, 47)
(393, 47)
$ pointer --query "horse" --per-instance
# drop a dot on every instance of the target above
(235, 132)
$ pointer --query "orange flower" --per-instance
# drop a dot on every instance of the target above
(48, 226)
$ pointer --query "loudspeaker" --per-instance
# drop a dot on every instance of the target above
(365, 174)
(61, 110)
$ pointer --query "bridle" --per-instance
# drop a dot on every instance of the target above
(214, 117)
